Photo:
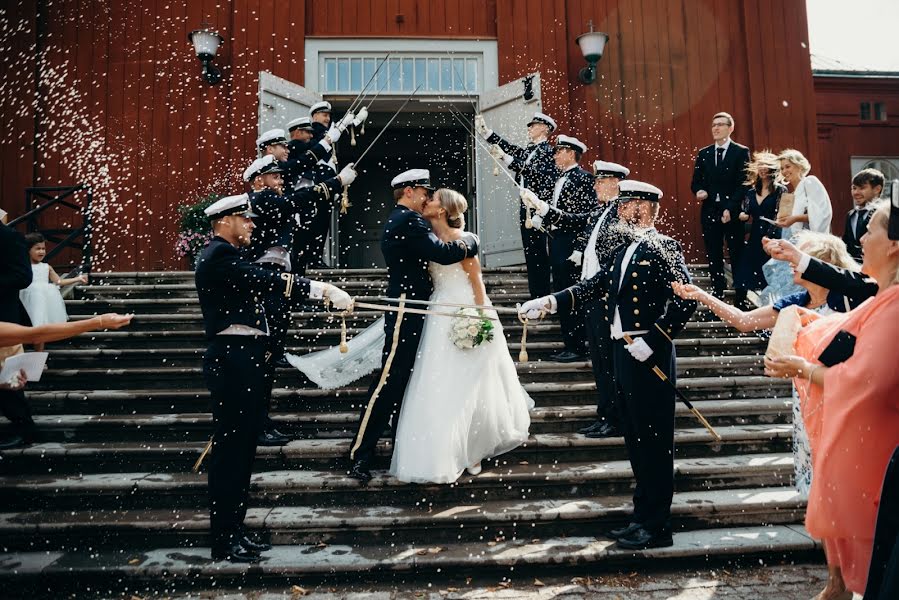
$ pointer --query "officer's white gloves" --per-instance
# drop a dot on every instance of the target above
(334, 133)
(338, 298)
(535, 309)
(531, 200)
(577, 257)
(480, 126)
(361, 116)
(346, 121)
(499, 154)
(347, 175)
(639, 349)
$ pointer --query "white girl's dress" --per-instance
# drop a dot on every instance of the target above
(42, 299)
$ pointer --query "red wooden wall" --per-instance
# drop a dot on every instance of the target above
(122, 106)
(842, 134)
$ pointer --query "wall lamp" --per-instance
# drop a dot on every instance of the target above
(592, 45)
(206, 43)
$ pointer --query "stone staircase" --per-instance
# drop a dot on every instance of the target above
(107, 499)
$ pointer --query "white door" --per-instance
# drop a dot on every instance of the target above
(506, 109)
(281, 101)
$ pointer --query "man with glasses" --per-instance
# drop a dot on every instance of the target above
(718, 182)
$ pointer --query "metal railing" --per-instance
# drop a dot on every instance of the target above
(39, 199)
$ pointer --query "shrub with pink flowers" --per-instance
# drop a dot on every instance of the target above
(193, 228)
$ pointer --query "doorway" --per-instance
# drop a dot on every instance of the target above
(425, 135)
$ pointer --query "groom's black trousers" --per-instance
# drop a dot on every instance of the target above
(376, 415)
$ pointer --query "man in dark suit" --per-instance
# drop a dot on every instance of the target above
(636, 291)
(15, 275)
(536, 170)
(407, 244)
(599, 236)
(230, 290)
(867, 186)
(280, 218)
(718, 182)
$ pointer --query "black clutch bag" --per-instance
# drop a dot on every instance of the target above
(838, 350)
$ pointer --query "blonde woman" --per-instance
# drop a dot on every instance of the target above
(461, 405)
(825, 247)
(811, 204)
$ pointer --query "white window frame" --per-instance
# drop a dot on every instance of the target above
(857, 163)
(486, 51)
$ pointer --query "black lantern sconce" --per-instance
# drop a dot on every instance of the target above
(206, 44)
(592, 45)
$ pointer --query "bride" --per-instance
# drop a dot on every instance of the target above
(461, 405)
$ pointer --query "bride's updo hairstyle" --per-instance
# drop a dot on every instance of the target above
(455, 206)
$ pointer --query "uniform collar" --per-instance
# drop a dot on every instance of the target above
(725, 145)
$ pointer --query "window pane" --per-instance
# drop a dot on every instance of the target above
(471, 74)
(433, 74)
(420, 73)
(330, 74)
(865, 111)
(395, 74)
(356, 74)
(368, 69)
(446, 74)
(383, 74)
(459, 83)
(407, 75)
(343, 75)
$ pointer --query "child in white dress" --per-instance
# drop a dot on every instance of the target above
(42, 298)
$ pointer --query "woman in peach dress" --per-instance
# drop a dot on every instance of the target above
(845, 372)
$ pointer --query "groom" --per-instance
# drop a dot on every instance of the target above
(407, 244)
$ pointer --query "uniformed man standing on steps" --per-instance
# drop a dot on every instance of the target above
(636, 290)
(280, 216)
(230, 290)
(535, 170)
(599, 236)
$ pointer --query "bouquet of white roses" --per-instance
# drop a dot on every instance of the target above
(471, 328)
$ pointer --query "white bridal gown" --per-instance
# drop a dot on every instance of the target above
(460, 407)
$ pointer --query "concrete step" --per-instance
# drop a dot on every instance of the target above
(373, 525)
(83, 428)
(549, 448)
(516, 479)
(196, 399)
(168, 569)
(126, 376)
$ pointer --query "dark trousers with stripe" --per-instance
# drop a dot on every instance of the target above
(536, 257)
(599, 344)
(277, 318)
(566, 274)
(234, 369)
(647, 417)
(375, 415)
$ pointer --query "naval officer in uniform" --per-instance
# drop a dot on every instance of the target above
(231, 290)
(635, 288)
(535, 170)
(599, 236)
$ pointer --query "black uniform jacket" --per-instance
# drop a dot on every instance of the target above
(726, 181)
(408, 244)
(231, 288)
(539, 173)
(645, 300)
(14, 276)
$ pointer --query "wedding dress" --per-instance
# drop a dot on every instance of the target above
(460, 407)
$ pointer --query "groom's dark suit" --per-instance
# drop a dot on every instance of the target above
(408, 244)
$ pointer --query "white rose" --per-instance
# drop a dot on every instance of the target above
(467, 343)
(473, 330)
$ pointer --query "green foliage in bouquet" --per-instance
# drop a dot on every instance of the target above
(471, 328)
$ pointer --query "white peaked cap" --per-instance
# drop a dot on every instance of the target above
(566, 141)
(638, 190)
(413, 178)
(544, 118)
(320, 107)
(270, 137)
(230, 205)
(602, 168)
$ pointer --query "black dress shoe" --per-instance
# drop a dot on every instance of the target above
(623, 531)
(592, 427)
(566, 356)
(235, 553)
(360, 471)
(641, 539)
(606, 431)
(252, 546)
(272, 438)
(282, 363)
(12, 442)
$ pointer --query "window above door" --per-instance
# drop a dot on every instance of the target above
(341, 73)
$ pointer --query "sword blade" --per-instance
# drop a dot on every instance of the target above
(358, 99)
(497, 309)
(380, 133)
(417, 311)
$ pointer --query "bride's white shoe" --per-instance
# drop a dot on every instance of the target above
(474, 469)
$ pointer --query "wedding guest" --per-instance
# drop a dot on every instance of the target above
(867, 186)
(824, 247)
(850, 406)
(718, 184)
(760, 203)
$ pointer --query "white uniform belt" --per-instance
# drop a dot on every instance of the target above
(619, 335)
(238, 329)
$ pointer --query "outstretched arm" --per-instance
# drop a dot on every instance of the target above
(12, 334)
(753, 320)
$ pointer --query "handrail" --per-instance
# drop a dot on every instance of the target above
(53, 198)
